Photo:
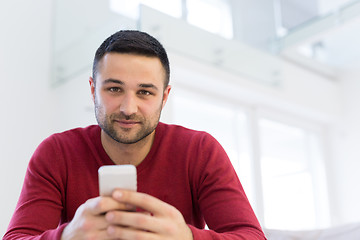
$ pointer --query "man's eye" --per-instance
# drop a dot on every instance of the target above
(114, 89)
(144, 92)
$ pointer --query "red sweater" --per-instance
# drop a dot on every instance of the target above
(185, 168)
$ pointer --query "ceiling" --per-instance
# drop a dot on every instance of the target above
(320, 35)
(327, 43)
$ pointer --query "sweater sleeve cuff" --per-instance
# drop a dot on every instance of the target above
(199, 234)
(56, 233)
(203, 234)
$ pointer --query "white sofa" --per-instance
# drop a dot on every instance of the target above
(346, 232)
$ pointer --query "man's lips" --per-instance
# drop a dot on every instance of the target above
(127, 123)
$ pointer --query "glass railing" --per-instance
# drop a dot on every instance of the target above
(75, 42)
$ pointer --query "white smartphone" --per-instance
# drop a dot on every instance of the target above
(116, 176)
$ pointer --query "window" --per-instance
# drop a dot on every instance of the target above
(211, 15)
(293, 192)
(288, 162)
(220, 121)
(131, 8)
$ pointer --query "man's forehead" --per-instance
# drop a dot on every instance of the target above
(111, 59)
(111, 55)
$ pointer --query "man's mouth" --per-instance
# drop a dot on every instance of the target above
(127, 123)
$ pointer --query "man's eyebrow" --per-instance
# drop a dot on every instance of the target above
(148, 85)
(111, 80)
(142, 85)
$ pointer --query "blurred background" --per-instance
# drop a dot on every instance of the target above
(275, 81)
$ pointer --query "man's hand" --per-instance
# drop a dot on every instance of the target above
(89, 221)
(114, 218)
(158, 221)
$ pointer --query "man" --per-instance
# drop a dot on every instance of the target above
(184, 177)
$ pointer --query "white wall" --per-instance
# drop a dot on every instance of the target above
(300, 92)
(346, 142)
(32, 110)
(73, 101)
(326, 6)
(24, 97)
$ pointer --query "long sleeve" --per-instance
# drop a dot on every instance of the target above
(221, 197)
(191, 171)
(38, 212)
(61, 175)
(201, 234)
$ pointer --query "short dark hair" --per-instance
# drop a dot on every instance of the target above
(133, 42)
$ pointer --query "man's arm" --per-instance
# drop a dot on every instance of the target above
(112, 218)
(220, 196)
(38, 211)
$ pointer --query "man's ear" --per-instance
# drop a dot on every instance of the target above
(92, 88)
(166, 96)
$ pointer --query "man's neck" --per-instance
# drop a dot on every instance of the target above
(121, 153)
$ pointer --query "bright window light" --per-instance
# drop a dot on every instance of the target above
(291, 168)
(220, 121)
(287, 166)
(211, 15)
(131, 8)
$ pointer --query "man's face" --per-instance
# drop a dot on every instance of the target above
(129, 95)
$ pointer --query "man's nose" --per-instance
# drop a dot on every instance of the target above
(128, 105)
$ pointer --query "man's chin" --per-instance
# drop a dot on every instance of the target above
(127, 136)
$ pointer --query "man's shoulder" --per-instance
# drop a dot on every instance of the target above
(177, 128)
(180, 132)
(78, 131)
(75, 134)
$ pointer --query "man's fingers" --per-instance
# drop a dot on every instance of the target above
(139, 200)
(95, 222)
(146, 202)
(101, 205)
(165, 221)
(137, 220)
(125, 233)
